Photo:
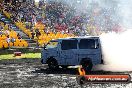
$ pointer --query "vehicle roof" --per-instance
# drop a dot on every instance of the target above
(82, 37)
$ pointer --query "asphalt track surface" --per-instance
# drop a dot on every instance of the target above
(30, 73)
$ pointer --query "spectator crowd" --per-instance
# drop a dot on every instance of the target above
(53, 16)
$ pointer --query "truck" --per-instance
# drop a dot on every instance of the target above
(64, 52)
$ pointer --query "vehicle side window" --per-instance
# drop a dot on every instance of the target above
(69, 44)
(88, 44)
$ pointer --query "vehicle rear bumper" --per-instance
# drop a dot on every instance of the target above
(102, 61)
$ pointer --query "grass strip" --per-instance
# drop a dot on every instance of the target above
(23, 55)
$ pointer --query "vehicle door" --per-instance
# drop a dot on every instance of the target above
(69, 49)
(89, 48)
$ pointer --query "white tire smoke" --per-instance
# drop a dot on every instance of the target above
(117, 51)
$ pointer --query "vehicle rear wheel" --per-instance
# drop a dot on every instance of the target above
(52, 63)
(87, 65)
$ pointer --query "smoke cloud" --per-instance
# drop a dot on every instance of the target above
(117, 51)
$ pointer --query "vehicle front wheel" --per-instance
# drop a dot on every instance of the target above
(53, 64)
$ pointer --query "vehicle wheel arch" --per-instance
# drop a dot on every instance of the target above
(85, 59)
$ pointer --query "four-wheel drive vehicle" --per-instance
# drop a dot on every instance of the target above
(65, 52)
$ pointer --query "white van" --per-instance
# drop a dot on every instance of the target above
(85, 51)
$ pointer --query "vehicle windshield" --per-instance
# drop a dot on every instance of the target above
(51, 44)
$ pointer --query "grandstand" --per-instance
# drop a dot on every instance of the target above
(20, 30)
(9, 36)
